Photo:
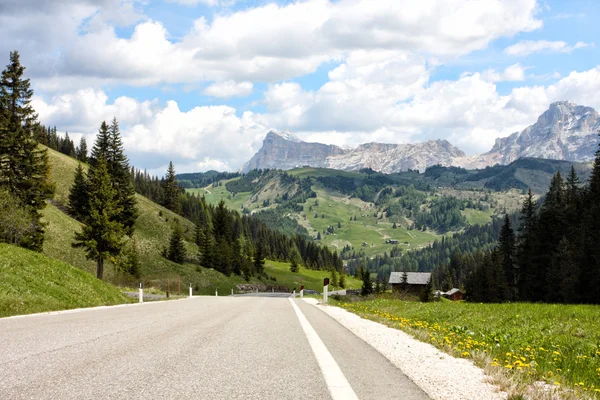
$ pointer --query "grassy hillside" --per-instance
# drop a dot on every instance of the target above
(31, 282)
(152, 230)
(311, 279)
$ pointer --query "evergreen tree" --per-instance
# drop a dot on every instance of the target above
(334, 277)
(101, 146)
(567, 274)
(367, 286)
(78, 196)
(506, 250)
(294, 267)
(342, 280)
(82, 150)
(130, 260)
(118, 167)
(427, 292)
(24, 168)
(177, 252)
(171, 191)
(590, 233)
(528, 271)
(259, 259)
(102, 232)
(206, 249)
(404, 282)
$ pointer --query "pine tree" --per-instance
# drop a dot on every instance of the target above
(294, 267)
(334, 277)
(590, 233)
(171, 191)
(24, 168)
(82, 150)
(259, 259)
(118, 167)
(506, 250)
(566, 274)
(404, 282)
(528, 271)
(78, 196)
(177, 252)
(342, 280)
(130, 260)
(367, 286)
(102, 233)
(206, 249)
(427, 292)
(101, 146)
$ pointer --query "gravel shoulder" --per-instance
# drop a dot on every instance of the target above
(438, 374)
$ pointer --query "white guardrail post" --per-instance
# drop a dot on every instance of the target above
(325, 285)
(141, 293)
(216, 292)
(190, 290)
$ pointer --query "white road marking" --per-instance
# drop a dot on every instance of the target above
(336, 381)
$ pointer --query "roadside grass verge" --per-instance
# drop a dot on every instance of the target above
(532, 349)
(31, 282)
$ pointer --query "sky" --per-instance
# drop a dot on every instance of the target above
(201, 82)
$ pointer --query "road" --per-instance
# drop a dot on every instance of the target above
(202, 348)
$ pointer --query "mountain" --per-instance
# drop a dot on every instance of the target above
(566, 131)
(283, 150)
(390, 158)
(286, 151)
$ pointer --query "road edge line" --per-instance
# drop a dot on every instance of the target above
(338, 385)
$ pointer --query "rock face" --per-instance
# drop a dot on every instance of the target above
(286, 151)
(389, 158)
(565, 131)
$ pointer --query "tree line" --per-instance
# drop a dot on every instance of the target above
(554, 256)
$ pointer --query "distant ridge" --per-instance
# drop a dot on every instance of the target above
(566, 131)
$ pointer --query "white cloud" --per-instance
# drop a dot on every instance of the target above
(515, 72)
(469, 112)
(526, 47)
(293, 39)
(229, 89)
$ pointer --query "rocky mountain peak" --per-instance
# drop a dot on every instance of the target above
(285, 135)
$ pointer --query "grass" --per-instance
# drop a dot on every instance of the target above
(366, 228)
(476, 217)
(31, 282)
(311, 279)
(214, 195)
(525, 343)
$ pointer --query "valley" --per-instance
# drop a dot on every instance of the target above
(358, 213)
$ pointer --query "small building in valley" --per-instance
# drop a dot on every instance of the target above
(454, 294)
(415, 281)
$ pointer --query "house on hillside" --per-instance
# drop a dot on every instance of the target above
(391, 241)
(415, 281)
(454, 294)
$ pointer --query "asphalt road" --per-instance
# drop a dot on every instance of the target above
(201, 348)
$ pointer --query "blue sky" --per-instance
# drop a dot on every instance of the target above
(201, 82)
